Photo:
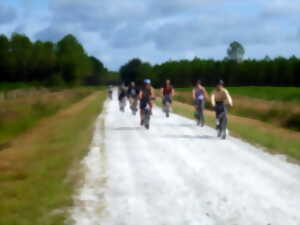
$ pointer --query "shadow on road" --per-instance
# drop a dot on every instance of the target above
(181, 125)
(125, 128)
(190, 136)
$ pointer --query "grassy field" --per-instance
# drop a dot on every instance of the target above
(35, 181)
(284, 94)
(21, 113)
(261, 103)
(12, 86)
(273, 139)
(278, 94)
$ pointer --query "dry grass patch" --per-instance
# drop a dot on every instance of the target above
(19, 114)
(34, 169)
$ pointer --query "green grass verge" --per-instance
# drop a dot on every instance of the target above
(283, 94)
(40, 190)
(253, 134)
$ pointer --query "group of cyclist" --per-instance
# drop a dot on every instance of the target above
(145, 96)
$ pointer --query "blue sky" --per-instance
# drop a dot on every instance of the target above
(158, 30)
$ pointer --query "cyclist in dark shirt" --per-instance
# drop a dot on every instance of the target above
(133, 95)
(146, 96)
(199, 96)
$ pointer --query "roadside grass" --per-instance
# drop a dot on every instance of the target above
(283, 94)
(10, 86)
(20, 114)
(279, 94)
(283, 114)
(273, 139)
(35, 180)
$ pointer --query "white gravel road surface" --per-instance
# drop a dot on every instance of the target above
(179, 174)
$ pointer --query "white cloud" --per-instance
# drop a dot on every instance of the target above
(157, 30)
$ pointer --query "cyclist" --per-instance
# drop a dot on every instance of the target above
(219, 98)
(146, 96)
(199, 96)
(122, 93)
(110, 91)
(133, 95)
(167, 92)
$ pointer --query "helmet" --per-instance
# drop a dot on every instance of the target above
(220, 82)
(147, 81)
(199, 82)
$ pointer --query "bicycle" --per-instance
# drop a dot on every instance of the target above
(167, 105)
(199, 115)
(122, 104)
(147, 116)
(222, 120)
(133, 106)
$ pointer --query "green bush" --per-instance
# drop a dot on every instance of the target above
(294, 121)
(5, 86)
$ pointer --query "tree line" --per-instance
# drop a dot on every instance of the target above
(234, 70)
(48, 63)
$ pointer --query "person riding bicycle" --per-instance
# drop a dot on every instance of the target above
(133, 95)
(199, 96)
(110, 91)
(219, 98)
(167, 92)
(146, 96)
(122, 93)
